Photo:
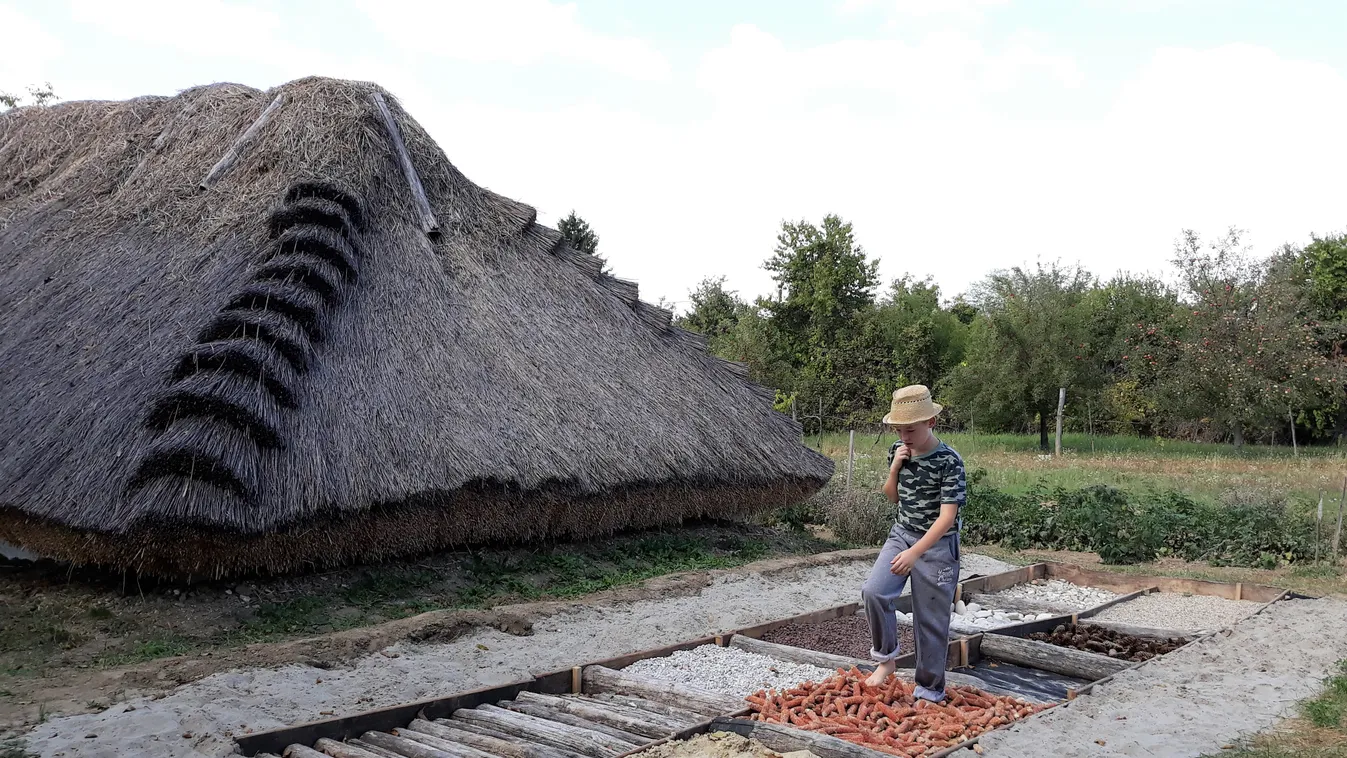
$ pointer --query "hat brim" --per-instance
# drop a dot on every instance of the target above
(915, 418)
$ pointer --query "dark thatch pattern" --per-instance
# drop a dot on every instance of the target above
(282, 368)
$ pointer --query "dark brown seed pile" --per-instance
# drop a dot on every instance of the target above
(846, 635)
(1097, 639)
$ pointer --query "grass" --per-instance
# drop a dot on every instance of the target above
(1319, 733)
(1014, 464)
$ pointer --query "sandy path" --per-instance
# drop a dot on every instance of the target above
(1196, 699)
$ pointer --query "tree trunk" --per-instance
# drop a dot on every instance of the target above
(1043, 431)
(1239, 435)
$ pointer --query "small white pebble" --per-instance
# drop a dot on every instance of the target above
(727, 670)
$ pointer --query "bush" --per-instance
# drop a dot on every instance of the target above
(860, 516)
(1255, 529)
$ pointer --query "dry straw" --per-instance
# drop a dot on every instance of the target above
(281, 368)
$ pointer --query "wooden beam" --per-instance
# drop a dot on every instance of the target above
(682, 715)
(599, 679)
(1041, 655)
(428, 223)
(381, 752)
(488, 736)
(493, 745)
(564, 736)
(797, 654)
(300, 751)
(235, 150)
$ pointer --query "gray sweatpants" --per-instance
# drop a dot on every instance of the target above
(933, 580)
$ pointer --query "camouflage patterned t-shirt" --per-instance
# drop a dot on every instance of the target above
(926, 482)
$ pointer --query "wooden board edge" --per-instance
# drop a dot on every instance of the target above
(1088, 612)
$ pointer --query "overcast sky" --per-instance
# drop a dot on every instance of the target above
(957, 136)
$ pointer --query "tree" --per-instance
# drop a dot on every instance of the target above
(822, 318)
(1132, 326)
(715, 311)
(578, 234)
(1323, 273)
(1029, 339)
(38, 95)
(924, 339)
(1251, 352)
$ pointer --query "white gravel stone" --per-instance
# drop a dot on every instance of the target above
(1169, 610)
(1053, 594)
(727, 670)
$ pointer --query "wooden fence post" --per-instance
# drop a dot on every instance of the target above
(1337, 535)
(851, 455)
(1295, 450)
(1061, 403)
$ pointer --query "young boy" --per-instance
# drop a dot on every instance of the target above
(926, 480)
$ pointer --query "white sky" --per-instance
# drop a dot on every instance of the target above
(957, 135)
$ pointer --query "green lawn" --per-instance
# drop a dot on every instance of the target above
(1202, 471)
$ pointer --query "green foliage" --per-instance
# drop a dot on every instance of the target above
(37, 96)
(1326, 711)
(1133, 528)
(715, 312)
(578, 234)
(926, 341)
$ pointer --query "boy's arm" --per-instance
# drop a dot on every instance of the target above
(897, 457)
(903, 562)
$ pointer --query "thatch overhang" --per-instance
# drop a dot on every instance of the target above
(245, 330)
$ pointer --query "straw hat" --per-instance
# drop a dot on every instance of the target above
(911, 405)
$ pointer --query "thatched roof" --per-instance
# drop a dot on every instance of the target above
(297, 362)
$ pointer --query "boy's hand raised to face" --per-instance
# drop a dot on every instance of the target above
(901, 456)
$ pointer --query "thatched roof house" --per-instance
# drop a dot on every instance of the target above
(245, 330)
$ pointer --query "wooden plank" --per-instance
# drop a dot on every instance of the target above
(797, 654)
(994, 582)
(428, 223)
(448, 746)
(300, 751)
(646, 726)
(599, 679)
(493, 745)
(235, 150)
(1115, 601)
(784, 739)
(343, 750)
(668, 724)
(813, 617)
(385, 719)
(565, 736)
(539, 710)
(1128, 583)
(1042, 655)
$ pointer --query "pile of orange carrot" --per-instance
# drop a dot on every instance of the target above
(888, 718)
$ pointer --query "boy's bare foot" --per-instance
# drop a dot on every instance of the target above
(882, 672)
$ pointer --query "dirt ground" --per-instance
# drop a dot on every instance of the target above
(82, 640)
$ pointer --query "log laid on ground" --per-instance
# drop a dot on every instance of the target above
(582, 741)
(542, 711)
(599, 679)
(784, 739)
(646, 726)
(448, 746)
(486, 731)
(681, 715)
(381, 752)
(796, 654)
(405, 747)
(301, 751)
(1059, 660)
(343, 750)
(653, 719)
(505, 748)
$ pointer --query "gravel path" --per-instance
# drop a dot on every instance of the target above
(728, 671)
(1196, 699)
(1167, 610)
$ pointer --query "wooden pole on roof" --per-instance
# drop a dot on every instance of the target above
(235, 150)
(428, 223)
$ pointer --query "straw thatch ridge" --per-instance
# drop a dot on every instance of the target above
(281, 368)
